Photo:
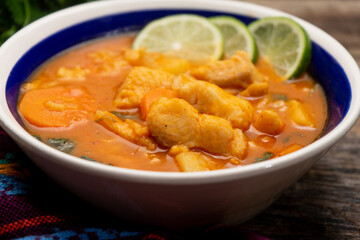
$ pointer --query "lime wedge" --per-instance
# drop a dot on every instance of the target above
(184, 35)
(236, 36)
(284, 43)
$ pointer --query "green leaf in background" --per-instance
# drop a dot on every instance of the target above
(15, 14)
(16, 8)
(7, 33)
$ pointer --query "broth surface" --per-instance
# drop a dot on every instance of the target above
(107, 73)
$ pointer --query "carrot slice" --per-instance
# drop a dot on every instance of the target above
(153, 95)
(289, 149)
(56, 106)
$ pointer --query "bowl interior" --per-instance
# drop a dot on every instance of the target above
(323, 67)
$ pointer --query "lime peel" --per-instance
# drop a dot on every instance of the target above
(187, 36)
(284, 43)
(236, 36)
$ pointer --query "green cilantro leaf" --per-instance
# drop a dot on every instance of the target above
(267, 155)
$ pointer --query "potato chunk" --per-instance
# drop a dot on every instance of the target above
(269, 122)
(193, 162)
(238, 71)
(139, 81)
(175, 122)
(128, 129)
(210, 99)
(299, 114)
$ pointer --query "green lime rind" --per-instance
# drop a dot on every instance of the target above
(187, 36)
(236, 36)
(284, 43)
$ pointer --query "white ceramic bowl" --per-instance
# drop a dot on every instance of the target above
(173, 200)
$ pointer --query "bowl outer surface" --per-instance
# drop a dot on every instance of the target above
(13, 50)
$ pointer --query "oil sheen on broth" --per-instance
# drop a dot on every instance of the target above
(133, 109)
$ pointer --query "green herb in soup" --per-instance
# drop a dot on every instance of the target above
(62, 144)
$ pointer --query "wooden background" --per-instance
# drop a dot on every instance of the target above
(325, 203)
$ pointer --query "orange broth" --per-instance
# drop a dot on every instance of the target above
(96, 142)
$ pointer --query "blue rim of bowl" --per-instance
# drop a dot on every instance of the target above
(323, 67)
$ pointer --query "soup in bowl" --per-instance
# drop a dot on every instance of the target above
(77, 85)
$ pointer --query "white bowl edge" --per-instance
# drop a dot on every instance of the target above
(98, 9)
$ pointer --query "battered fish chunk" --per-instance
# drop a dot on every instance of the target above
(238, 71)
(139, 81)
(128, 129)
(210, 99)
(175, 122)
(268, 121)
(256, 90)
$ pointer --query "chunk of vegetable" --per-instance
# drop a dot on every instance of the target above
(299, 114)
(153, 95)
(289, 149)
(193, 162)
(57, 106)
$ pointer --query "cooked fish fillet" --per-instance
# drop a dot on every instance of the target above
(175, 122)
(210, 99)
(237, 71)
(139, 81)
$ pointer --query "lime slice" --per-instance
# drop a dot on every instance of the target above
(236, 36)
(185, 35)
(284, 43)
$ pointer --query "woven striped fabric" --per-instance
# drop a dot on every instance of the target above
(33, 207)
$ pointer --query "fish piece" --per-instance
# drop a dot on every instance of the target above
(257, 89)
(128, 129)
(210, 99)
(139, 81)
(268, 121)
(238, 71)
(74, 74)
(175, 122)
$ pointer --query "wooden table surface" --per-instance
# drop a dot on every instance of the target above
(324, 203)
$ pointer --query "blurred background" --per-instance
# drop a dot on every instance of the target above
(15, 14)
